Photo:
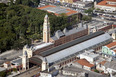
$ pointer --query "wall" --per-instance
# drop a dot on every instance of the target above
(66, 39)
(107, 8)
(106, 50)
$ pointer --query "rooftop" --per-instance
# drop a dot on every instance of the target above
(2, 69)
(67, 32)
(111, 0)
(102, 63)
(104, 3)
(80, 70)
(111, 45)
(58, 10)
(90, 54)
(42, 45)
(8, 62)
(84, 62)
(111, 64)
(64, 46)
(17, 61)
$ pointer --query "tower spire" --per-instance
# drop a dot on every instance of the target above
(46, 29)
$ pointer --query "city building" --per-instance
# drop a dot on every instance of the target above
(81, 4)
(59, 38)
(106, 5)
(100, 66)
(87, 0)
(89, 56)
(83, 63)
(7, 64)
(67, 51)
(50, 42)
(110, 68)
(62, 1)
(109, 50)
(2, 69)
(70, 50)
(16, 63)
(113, 33)
(73, 71)
(58, 10)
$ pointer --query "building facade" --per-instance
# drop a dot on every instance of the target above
(46, 29)
(109, 50)
(106, 5)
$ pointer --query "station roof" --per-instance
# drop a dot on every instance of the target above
(35, 60)
(69, 44)
(75, 47)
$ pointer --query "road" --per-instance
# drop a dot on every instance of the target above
(29, 73)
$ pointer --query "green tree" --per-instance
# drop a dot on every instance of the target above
(18, 2)
(86, 18)
(2, 74)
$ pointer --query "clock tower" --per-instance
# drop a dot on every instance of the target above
(46, 29)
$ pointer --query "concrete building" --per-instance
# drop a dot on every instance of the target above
(67, 50)
(62, 1)
(112, 33)
(83, 63)
(88, 0)
(70, 50)
(17, 63)
(46, 29)
(100, 66)
(89, 56)
(58, 10)
(7, 64)
(2, 69)
(81, 4)
(110, 67)
(106, 5)
(73, 71)
(109, 50)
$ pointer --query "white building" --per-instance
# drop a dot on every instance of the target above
(109, 5)
(89, 56)
(88, 0)
(43, 74)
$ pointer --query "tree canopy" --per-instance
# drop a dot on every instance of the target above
(20, 24)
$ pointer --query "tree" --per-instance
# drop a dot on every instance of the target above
(3, 5)
(18, 2)
(11, 2)
(86, 18)
(19, 24)
(96, 71)
(2, 74)
(36, 2)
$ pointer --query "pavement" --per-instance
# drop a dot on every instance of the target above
(30, 72)
(10, 55)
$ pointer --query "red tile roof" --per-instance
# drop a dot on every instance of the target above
(104, 3)
(111, 44)
(111, 0)
(46, 6)
(84, 62)
(114, 25)
(8, 62)
(103, 62)
(68, 13)
(114, 50)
